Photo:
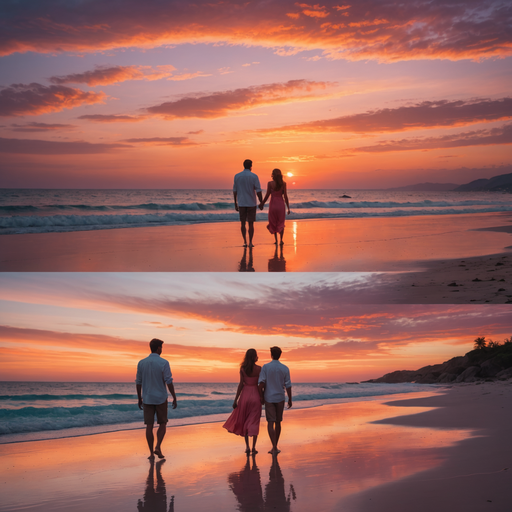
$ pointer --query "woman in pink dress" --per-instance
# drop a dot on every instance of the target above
(245, 418)
(276, 189)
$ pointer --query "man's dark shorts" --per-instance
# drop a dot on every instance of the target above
(160, 410)
(274, 411)
(247, 213)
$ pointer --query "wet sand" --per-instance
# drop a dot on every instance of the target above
(334, 245)
(358, 456)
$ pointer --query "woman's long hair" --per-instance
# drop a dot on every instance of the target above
(249, 361)
(278, 178)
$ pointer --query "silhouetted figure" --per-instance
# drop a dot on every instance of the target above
(276, 190)
(244, 265)
(245, 189)
(246, 486)
(277, 263)
(274, 379)
(155, 498)
(275, 495)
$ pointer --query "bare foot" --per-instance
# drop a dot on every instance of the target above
(247, 451)
(282, 243)
(251, 245)
(274, 452)
(151, 457)
(254, 452)
(159, 453)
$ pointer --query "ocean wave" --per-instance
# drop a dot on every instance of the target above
(194, 206)
(45, 397)
(64, 223)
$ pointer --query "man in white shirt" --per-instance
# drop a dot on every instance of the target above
(245, 188)
(273, 380)
(153, 375)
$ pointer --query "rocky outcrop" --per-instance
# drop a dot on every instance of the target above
(490, 363)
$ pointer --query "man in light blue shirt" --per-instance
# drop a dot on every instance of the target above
(245, 188)
(153, 375)
(273, 380)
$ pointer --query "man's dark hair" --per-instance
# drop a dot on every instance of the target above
(155, 344)
(275, 352)
(247, 164)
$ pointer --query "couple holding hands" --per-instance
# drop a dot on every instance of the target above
(258, 386)
(245, 189)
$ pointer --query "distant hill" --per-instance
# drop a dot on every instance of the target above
(427, 187)
(489, 363)
(502, 183)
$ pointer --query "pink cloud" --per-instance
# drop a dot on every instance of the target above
(104, 118)
(502, 135)
(46, 147)
(427, 114)
(113, 75)
(221, 104)
(35, 99)
(40, 127)
(164, 141)
(417, 29)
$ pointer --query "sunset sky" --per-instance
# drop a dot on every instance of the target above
(176, 94)
(95, 327)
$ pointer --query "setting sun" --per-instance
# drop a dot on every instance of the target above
(289, 174)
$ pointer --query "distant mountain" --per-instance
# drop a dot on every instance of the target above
(502, 183)
(489, 363)
(427, 187)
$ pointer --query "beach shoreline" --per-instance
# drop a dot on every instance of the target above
(335, 245)
(348, 454)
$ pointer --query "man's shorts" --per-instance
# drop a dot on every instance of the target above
(247, 213)
(160, 410)
(274, 412)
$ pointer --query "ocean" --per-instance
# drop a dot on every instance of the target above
(32, 411)
(55, 210)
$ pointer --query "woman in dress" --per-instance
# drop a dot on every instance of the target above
(276, 189)
(245, 418)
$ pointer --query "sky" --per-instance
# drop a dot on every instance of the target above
(177, 94)
(95, 327)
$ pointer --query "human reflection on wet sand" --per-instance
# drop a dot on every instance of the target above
(155, 498)
(277, 263)
(246, 265)
(275, 494)
(246, 486)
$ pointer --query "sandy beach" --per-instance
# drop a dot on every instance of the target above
(440, 452)
(334, 245)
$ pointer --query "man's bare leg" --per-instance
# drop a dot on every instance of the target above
(251, 233)
(243, 230)
(278, 431)
(150, 439)
(273, 436)
(160, 434)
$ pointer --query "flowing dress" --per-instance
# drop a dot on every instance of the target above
(276, 212)
(245, 419)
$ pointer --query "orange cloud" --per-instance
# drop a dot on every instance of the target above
(502, 135)
(46, 147)
(417, 29)
(40, 127)
(427, 114)
(34, 99)
(102, 118)
(113, 75)
(220, 104)
(164, 141)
